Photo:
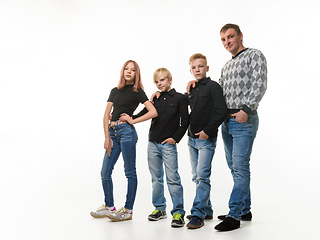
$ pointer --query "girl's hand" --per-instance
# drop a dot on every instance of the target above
(202, 135)
(170, 141)
(126, 118)
(108, 145)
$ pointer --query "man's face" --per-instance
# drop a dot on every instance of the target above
(232, 41)
(199, 69)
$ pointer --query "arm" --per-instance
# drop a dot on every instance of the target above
(258, 69)
(152, 113)
(191, 84)
(108, 144)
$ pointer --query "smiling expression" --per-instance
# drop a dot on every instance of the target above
(232, 41)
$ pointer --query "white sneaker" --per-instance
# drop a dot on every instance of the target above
(121, 215)
(103, 211)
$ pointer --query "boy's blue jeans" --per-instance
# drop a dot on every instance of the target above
(159, 155)
(238, 140)
(201, 154)
(124, 139)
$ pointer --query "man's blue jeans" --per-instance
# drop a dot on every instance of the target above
(159, 155)
(238, 140)
(124, 139)
(201, 154)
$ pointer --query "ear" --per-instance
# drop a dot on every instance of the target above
(190, 71)
(207, 68)
(170, 80)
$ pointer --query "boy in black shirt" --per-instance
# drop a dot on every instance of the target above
(208, 111)
(166, 131)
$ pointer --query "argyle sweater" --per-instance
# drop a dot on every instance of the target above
(244, 80)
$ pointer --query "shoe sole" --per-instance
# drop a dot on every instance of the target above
(242, 219)
(157, 219)
(175, 225)
(119, 220)
(98, 216)
(194, 226)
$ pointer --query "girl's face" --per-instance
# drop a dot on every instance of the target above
(129, 73)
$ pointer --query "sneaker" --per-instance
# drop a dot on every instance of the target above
(177, 220)
(157, 215)
(121, 215)
(102, 211)
(195, 222)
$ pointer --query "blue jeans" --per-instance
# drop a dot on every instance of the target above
(124, 139)
(159, 155)
(201, 154)
(238, 140)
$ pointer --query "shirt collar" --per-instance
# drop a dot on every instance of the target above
(171, 92)
(239, 53)
(204, 80)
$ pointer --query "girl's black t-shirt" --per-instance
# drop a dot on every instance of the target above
(125, 100)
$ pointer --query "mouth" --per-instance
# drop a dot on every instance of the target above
(128, 76)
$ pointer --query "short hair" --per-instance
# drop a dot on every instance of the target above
(230, 25)
(137, 80)
(161, 73)
(196, 56)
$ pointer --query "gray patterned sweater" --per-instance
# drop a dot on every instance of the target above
(244, 80)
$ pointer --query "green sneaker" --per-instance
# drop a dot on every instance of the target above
(177, 220)
(157, 215)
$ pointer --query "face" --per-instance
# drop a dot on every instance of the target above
(232, 41)
(129, 73)
(164, 84)
(199, 69)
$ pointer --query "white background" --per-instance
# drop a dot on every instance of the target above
(59, 59)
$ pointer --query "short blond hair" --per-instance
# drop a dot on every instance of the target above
(196, 56)
(161, 73)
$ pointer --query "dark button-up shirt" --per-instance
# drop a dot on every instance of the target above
(173, 118)
(208, 108)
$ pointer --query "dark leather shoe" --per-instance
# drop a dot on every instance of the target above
(206, 217)
(195, 222)
(228, 224)
(246, 217)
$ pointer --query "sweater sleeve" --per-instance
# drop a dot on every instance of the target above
(258, 69)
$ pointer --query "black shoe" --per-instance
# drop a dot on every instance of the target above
(206, 217)
(228, 224)
(177, 220)
(157, 215)
(246, 217)
(195, 222)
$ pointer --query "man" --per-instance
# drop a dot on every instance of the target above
(244, 82)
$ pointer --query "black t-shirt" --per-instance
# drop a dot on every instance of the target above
(125, 100)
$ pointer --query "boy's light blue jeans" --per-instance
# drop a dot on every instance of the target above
(238, 140)
(124, 139)
(159, 155)
(201, 154)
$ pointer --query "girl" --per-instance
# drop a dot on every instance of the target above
(121, 136)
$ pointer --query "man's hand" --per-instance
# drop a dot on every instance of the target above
(202, 135)
(241, 116)
(191, 84)
(170, 141)
(156, 94)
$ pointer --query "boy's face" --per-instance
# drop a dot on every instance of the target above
(199, 69)
(164, 84)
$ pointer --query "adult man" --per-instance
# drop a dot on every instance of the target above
(244, 82)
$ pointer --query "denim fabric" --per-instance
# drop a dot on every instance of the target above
(159, 155)
(238, 140)
(124, 139)
(201, 154)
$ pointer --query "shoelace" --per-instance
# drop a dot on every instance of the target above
(155, 211)
(177, 216)
(102, 207)
(121, 210)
